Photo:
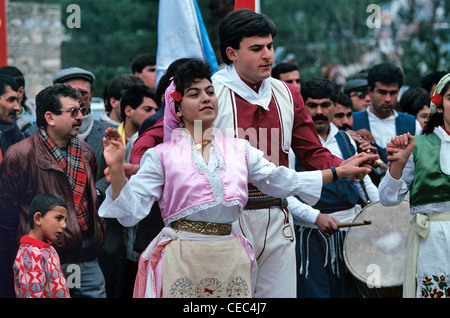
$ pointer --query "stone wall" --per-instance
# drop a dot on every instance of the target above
(35, 34)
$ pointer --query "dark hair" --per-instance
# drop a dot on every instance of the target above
(282, 68)
(165, 80)
(14, 73)
(134, 97)
(418, 104)
(17, 76)
(385, 73)
(409, 97)
(43, 203)
(431, 79)
(319, 88)
(141, 61)
(117, 86)
(190, 72)
(239, 24)
(49, 100)
(344, 100)
(436, 119)
(6, 80)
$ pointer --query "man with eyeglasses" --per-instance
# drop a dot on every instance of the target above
(55, 161)
(92, 131)
(357, 90)
(384, 81)
(287, 72)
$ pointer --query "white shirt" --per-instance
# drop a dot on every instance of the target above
(303, 213)
(384, 129)
(146, 187)
(393, 191)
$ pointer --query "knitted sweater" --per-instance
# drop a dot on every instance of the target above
(37, 271)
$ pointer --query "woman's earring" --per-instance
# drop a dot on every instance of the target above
(181, 125)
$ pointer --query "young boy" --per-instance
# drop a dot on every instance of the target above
(37, 271)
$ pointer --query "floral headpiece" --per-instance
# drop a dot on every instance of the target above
(176, 95)
(436, 99)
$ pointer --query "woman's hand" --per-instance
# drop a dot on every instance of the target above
(400, 147)
(399, 150)
(114, 154)
(114, 150)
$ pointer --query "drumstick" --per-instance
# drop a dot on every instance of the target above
(354, 224)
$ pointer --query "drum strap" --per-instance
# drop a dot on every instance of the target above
(418, 231)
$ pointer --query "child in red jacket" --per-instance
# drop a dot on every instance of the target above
(37, 270)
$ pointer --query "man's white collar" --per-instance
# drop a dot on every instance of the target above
(394, 115)
(230, 78)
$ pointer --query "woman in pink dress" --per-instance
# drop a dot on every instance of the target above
(199, 178)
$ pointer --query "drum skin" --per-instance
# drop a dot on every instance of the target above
(375, 254)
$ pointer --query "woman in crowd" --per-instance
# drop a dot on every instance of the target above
(421, 165)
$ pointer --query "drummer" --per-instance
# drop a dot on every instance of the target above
(421, 164)
(321, 268)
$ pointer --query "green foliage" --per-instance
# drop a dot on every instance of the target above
(111, 34)
(322, 32)
(319, 33)
(425, 44)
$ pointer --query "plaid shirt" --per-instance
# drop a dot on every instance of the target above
(74, 168)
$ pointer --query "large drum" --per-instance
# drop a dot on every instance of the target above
(375, 253)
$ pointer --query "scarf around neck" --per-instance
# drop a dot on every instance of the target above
(105, 117)
(86, 125)
(75, 171)
(231, 79)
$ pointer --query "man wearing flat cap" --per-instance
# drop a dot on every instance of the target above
(93, 131)
(357, 90)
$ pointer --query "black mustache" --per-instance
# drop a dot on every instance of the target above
(319, 117)
(345, 127)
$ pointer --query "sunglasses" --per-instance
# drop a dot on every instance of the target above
(360, 94)
(74, 111)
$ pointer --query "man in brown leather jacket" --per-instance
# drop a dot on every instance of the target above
(55, 161)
